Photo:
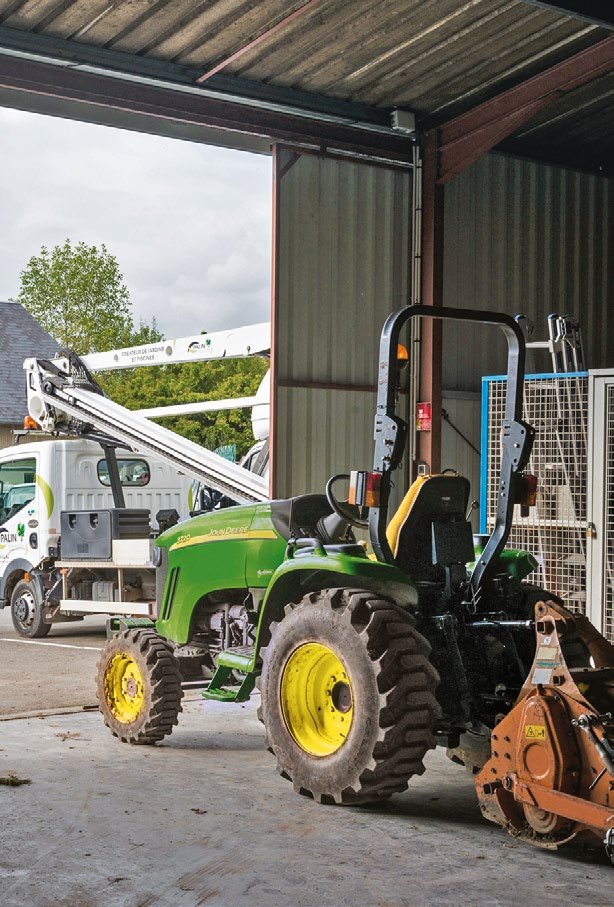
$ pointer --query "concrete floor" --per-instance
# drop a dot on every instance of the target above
(205, 819)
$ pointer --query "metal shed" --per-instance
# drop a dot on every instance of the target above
(378, 116)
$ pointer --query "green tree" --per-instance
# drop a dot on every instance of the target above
(189, 383)
(77, 293)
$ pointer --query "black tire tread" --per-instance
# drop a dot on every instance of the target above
(406, 681)
(164, 679)
(39, 627)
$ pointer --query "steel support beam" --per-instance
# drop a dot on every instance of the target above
(45, 48)
(466, 138)
(596, 12)
(428, 447)
(257, 41)
(192, 105)
(275, 309)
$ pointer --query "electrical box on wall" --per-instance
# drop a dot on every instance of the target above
(403, 121)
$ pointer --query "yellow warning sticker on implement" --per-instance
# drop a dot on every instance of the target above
(535, 731)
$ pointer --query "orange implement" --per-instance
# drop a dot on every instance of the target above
(550, 776)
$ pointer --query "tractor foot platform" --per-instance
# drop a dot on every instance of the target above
(223, 686)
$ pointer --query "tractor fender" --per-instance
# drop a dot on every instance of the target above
(310, 572)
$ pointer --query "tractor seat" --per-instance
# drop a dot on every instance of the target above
(298, 517)
(429, 531)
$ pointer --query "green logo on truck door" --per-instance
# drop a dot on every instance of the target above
(47, 494)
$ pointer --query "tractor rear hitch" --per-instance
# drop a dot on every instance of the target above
(587, 724)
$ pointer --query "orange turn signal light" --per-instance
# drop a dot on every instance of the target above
(29, 422)
(365, 488)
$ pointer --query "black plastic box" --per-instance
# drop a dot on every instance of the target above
(89, 534)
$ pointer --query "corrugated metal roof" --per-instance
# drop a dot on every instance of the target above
(20, 336)
(436, 57)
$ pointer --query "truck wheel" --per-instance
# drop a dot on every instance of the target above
(347, 697)
(139, 687)
(27, 611)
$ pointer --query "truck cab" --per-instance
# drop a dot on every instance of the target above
(41, 479)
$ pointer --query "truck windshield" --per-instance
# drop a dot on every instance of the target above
(17, 486)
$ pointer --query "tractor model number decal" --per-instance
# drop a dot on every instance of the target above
(239, 532)
(535, 731)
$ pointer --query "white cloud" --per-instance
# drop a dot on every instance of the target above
(190, 225)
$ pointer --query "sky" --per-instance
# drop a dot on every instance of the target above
(189, 224)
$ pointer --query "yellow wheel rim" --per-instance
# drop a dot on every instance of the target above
(124, 688)
(316, 699)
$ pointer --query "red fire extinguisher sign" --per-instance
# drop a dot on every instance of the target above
(423, 417)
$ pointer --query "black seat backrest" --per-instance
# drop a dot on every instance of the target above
(298, 517)
(438, 499)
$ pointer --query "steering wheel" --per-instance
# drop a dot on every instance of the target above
(350, 512)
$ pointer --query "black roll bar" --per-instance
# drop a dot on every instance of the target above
(390, 431)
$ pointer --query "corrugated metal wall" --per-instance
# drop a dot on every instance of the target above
(521, 237)
(343, 260)
(527, 238)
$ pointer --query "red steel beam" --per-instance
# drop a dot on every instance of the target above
(252, 44)
(428, 448)
(99, 92)
(466, 138)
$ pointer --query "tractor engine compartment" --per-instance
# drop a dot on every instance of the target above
(222, 620)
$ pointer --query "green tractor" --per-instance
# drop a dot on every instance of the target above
(364, 660)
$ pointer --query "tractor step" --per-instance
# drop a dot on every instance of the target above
(237, 658)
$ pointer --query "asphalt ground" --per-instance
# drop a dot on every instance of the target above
(56, 672)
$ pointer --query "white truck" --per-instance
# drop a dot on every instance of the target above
(42, 479)
(76, 534)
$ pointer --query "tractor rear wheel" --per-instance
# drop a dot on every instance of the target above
(348, 699)
(139, 687)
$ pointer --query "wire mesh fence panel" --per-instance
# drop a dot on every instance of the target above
(608, 572)
(554, 530)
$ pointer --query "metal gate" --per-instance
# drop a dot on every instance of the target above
(555, 529)
(600, 587)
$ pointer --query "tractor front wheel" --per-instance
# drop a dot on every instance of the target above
(139, 686)
(348, 699)
(27, 612)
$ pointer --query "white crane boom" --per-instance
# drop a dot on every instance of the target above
(63, 397)
(251, 340)
(203, 406)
